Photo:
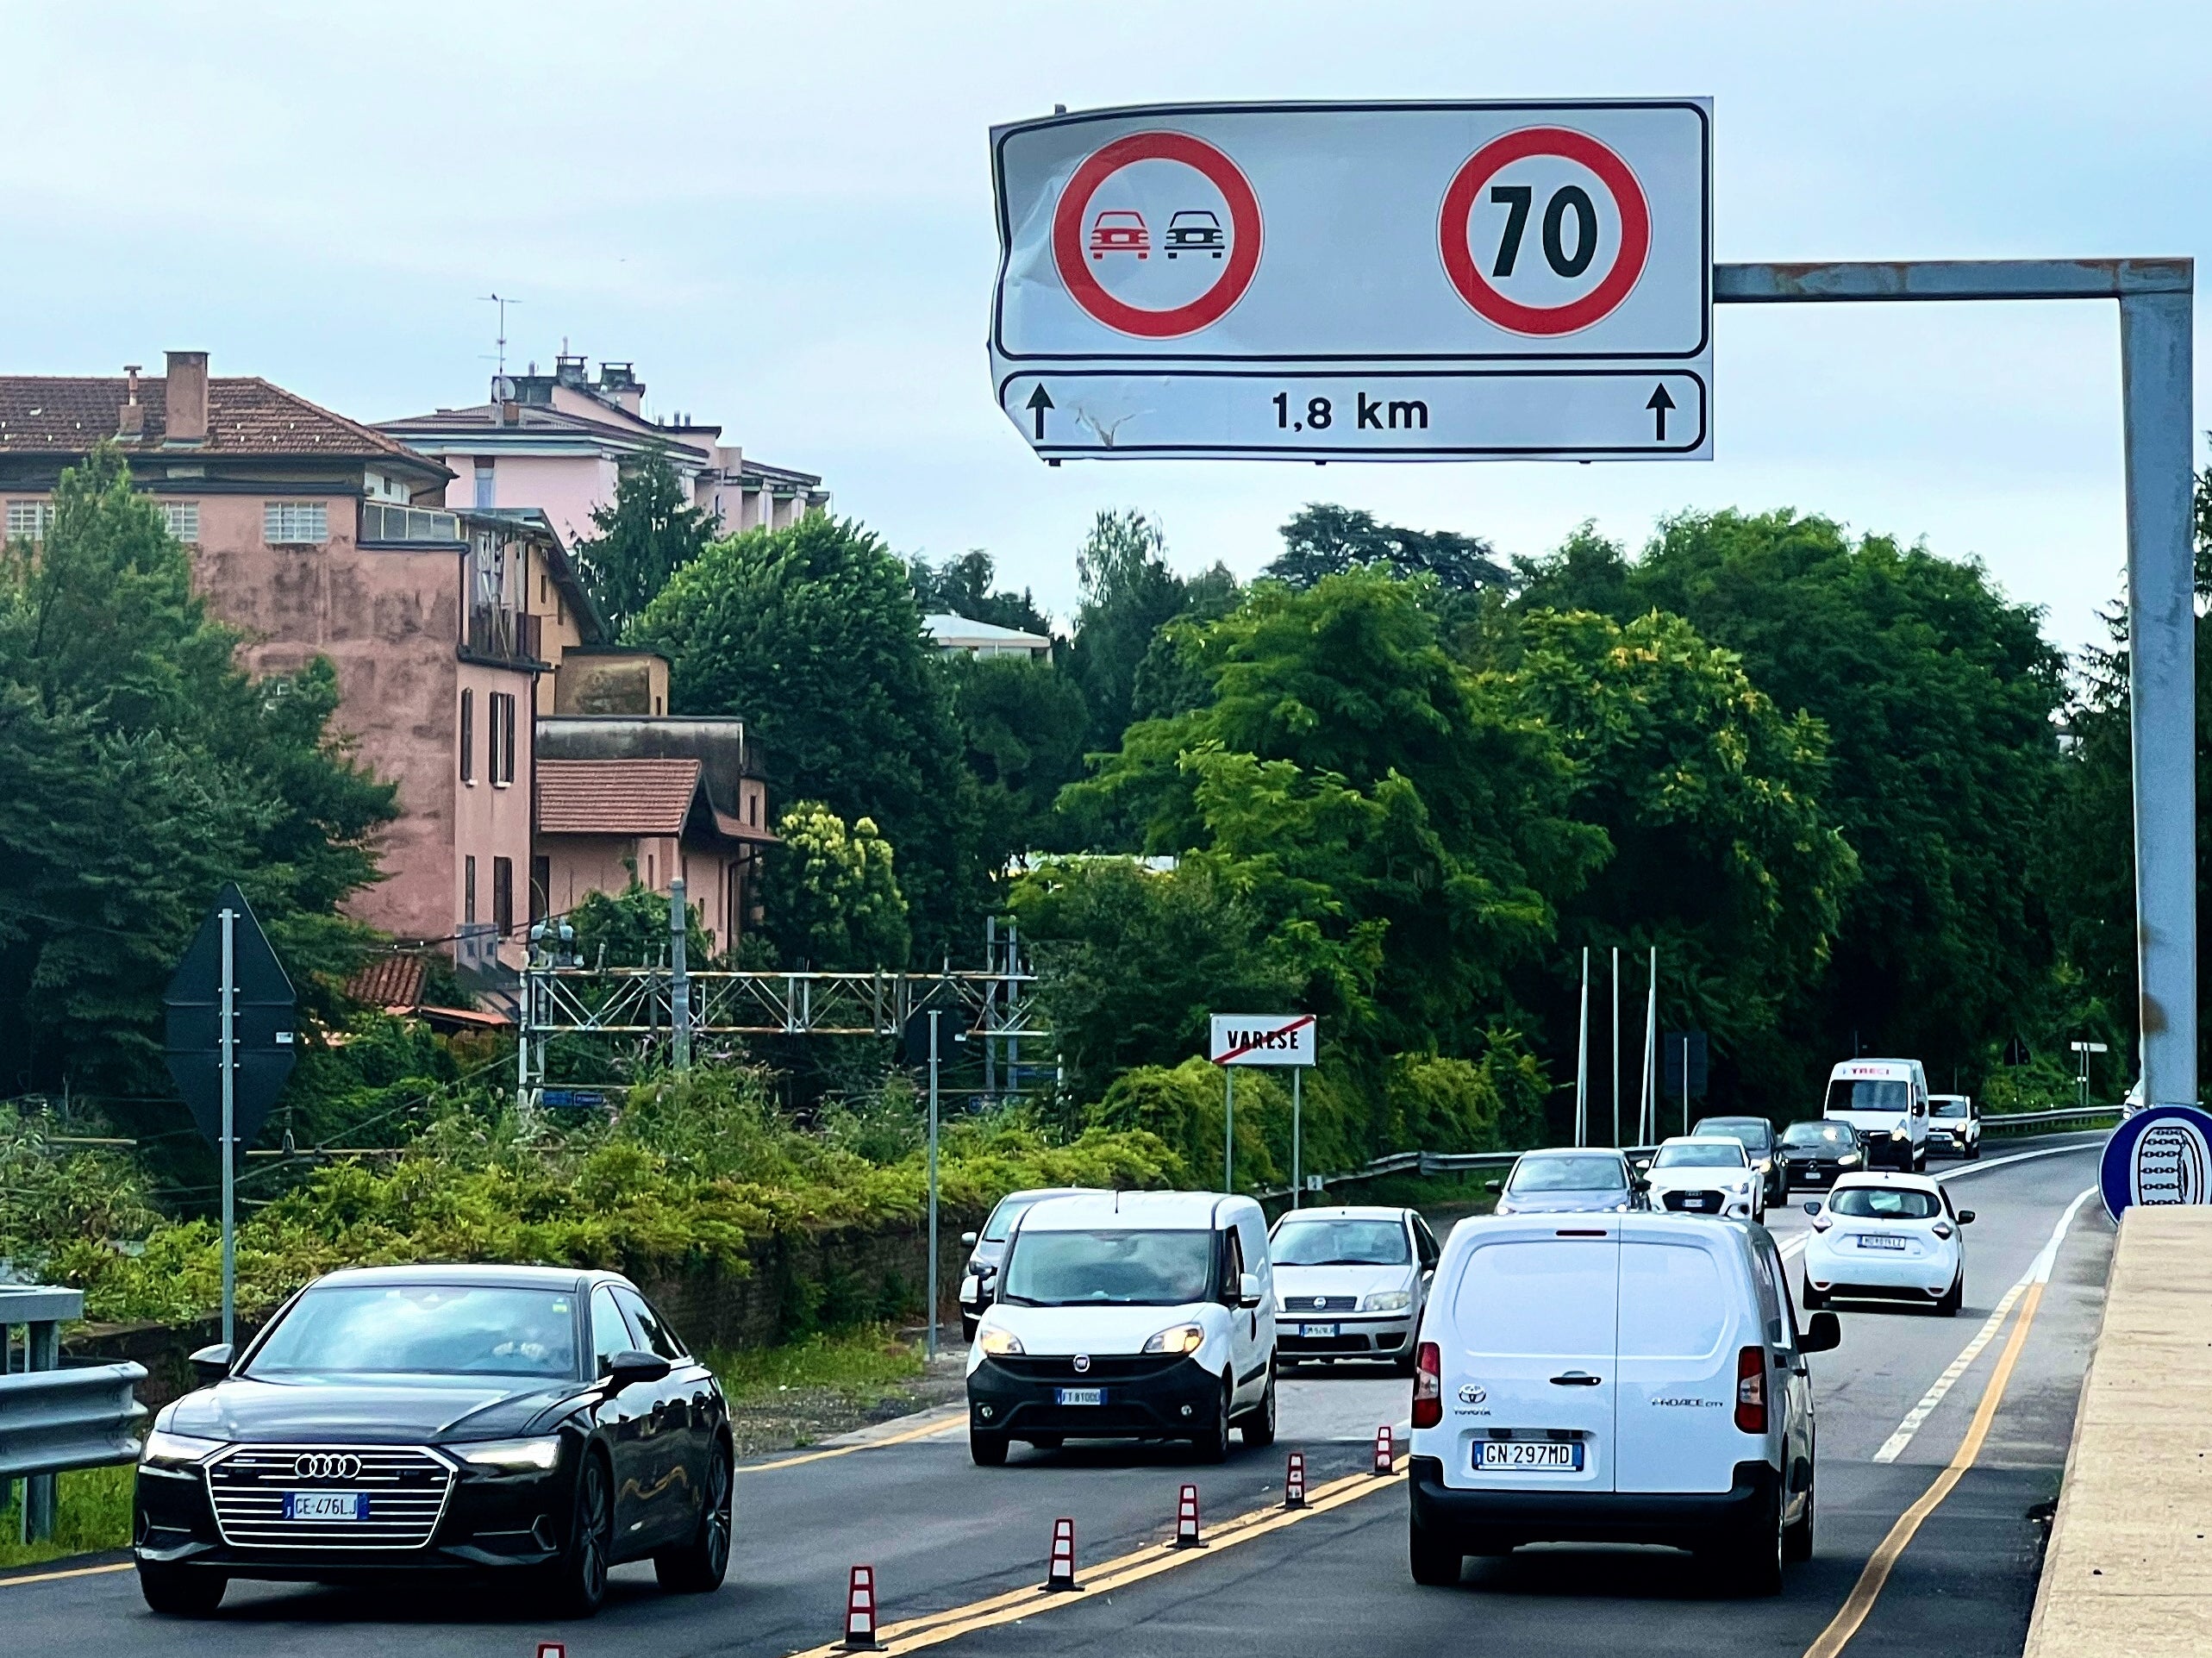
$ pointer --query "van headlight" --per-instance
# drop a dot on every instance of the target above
(1182, 1338)
(998, 1343)
(1849, 1160)
(1387, 1301)
(167, 1451)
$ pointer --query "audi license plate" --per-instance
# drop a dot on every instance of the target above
(1317, 1329)
(1871, 1240)
(1530, 1457)
(1079, 1396)
(326, 1505)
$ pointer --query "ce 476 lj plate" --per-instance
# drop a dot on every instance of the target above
(1530, 1457)
(326, 1505)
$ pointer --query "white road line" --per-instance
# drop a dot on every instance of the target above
(2039, 1272)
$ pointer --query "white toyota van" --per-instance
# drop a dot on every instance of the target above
(1636, 1377)
(1131, 1315)
(1885, 1103)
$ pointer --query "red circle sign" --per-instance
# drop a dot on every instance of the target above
(1474, 283)
(1236, 271)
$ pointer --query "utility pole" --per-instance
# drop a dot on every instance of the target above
(1582, 1059)
(680, 980)
(931, 1348)
(228, 1038)
(1228, 1128)
(1617, 1044)
(1647, 1113)
(1297, 1173)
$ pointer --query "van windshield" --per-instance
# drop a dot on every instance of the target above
(1121, 1268)
(1339, 1243)
(1886, 1203)
(1947, 1105)
(1868, 1094)
(1572, 1173)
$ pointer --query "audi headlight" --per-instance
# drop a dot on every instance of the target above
(512, 1456)
(1387, 1301)
(167, 1450)
(998, 1343)
(1181, 1338)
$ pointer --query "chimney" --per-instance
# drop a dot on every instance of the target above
(187, 398)
(130, 420)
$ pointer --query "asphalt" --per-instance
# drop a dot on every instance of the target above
(943, 1535)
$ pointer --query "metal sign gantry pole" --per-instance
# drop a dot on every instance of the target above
(2156, 298)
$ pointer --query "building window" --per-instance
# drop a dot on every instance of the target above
(381, 522)
(29, 521)
(502, 895)
(294, 523)
(502, 755)
(183, 519)
(468, 735)
(468, 891)
(487, 495)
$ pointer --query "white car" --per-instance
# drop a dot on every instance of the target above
(1711, 1175)
(1350, 1282)
(1128, 1315)
(1954, 1122)
(1892, 1237)
(1614, 1378)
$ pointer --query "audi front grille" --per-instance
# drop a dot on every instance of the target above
(406, 1489)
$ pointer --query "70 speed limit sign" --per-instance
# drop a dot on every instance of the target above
(1369, 281)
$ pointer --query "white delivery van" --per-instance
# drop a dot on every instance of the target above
(1885, 1103)
(1636, 1377)
(1129, 1314)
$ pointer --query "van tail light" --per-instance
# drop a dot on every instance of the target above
(1751, 1390)
(1427, 1386)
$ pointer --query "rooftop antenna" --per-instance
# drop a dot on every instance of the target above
(503, 302)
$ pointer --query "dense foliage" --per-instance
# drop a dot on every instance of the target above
(650, 532)
(833, 901)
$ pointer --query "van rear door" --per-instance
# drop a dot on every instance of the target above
(1683, 1317)
(1527, 1356)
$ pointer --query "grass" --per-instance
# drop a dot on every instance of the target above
(862, 1364)
(92, 1514)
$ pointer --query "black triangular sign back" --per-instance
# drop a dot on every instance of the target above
(262, 1005)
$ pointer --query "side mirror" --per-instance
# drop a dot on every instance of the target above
(968, 1240)
(1493, 1185)
(1814, 1207)
(1965, 1218)
(630, 1367)
(1643, 1165)
(1248, 1290)
(1823, 1333)
(211, 1364)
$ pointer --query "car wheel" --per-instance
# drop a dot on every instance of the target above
(1212, 1444)
(1435, 1563)
(986, 1450)
(180, 1591)
(1974, 1152)
(1258, 1423)
(698, 1567)
(1797, 1539)
(1954, 1297)
(580, 1575)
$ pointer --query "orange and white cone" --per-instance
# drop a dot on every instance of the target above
(1294, 1482)
(1186, 1519)
(861, 1613)
(1060, 1573)
(1386, 1454)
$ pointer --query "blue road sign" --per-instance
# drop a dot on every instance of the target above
(2162, 1156)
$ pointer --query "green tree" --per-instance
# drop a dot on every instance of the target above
(1128, 591)
(1938, 696)
(140, 769)
(651, 531)
(833, 896)
(1023, 723)
(1329, 540)
(966, 586)
(629, 928)
(811, 634)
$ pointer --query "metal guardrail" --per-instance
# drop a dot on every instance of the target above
(2028, 1119)
(52, 1421)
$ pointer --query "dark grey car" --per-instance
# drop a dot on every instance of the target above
(1565, 1181)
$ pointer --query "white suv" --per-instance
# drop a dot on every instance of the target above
(1629, 1378)
(1706, 1175)
(1888, 1237)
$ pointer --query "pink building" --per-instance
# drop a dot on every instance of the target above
(559, 442)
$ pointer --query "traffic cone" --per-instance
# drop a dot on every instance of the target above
(861, 1613)
(1386, 1459)
(1294, 1482)
(1060, 1573)
(1186, 1519)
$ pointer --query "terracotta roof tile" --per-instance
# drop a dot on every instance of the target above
(616, 797)
(55, 414)
(389, 981)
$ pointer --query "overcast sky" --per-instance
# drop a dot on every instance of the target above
(782, 213)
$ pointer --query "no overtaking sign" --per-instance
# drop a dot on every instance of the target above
(1377, 281)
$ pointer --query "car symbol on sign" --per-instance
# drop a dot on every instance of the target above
(1118, 230)
(1197, 229)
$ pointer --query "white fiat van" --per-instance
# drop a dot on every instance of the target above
(1128, 1314)
(1636, 1377)
(1885, 1103)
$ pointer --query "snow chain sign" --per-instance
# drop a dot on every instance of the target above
(2161, 1156)
(1358, 281)
(1263, 1039)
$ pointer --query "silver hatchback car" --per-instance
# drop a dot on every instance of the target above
(1350, 1283)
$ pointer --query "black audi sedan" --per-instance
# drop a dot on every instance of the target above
(522, 1420)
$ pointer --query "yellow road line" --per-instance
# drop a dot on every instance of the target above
(928, 1430)
(73, 1572)
(1864, 1594)
(1150, 1560)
